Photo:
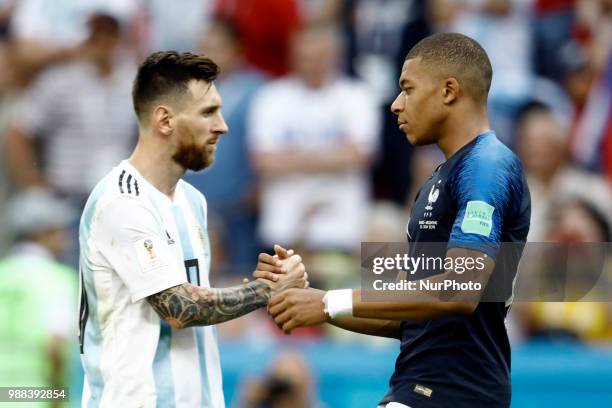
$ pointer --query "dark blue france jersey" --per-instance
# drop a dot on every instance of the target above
(477, 199)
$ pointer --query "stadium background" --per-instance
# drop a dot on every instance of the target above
(65, 119)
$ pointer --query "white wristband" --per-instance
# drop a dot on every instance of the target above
(339, 303)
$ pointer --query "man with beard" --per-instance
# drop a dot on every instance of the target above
(145, 253)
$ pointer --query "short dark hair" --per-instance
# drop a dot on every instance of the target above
(530, 109)
(598, 217)
(459, 56)
(167, 73)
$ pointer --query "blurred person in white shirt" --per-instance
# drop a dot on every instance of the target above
(312, 137)
(79, 115)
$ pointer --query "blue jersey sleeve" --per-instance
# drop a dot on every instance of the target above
(483, 188)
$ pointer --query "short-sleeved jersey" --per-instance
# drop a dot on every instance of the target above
(135, 242)
(477, 200)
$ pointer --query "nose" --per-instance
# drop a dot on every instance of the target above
(397, 106)
(221, 127)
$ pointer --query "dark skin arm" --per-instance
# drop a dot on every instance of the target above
(371, 327)
(428, 305)
(305, 306)
(297, 308)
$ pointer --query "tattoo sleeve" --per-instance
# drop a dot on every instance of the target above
(188, 305)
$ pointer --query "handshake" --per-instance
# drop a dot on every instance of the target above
(292, 303)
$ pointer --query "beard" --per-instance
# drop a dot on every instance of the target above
(192, 157)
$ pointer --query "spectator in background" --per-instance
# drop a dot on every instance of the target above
(312, 137)
(576, 222)
(266, 27)
(8, 100)
(289, 384)
(51, 32)
(578, 77)
(178, 26)
(594, 29)
(321, 11)
(504, 30)
(379, 35)
(543, 146)
(592, 138)
(376, 48)
(6, 11)
(229, 185)
(37, 308)
(76, 120)
(80, 113)
(552, 26)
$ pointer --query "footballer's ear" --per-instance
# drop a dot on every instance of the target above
(450, 91)
(161, 119)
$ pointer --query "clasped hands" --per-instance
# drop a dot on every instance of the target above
(292, 304)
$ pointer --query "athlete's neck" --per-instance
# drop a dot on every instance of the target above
(461, 130)
(156, 166)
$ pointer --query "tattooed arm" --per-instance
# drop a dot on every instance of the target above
(189, 305)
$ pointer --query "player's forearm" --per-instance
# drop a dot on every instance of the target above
(188, 305)
(371, 327)
(433, 303)
(408, 310)
(33, 56)
(21, 159)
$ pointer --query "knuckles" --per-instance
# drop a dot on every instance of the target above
(292, 300)
(296, 258)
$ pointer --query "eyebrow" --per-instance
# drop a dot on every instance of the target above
(212, 106)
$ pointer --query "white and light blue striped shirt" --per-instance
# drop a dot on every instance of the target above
(135, 241)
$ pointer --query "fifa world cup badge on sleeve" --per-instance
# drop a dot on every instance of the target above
(151, 253)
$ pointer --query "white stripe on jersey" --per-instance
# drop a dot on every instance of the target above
(135, 242)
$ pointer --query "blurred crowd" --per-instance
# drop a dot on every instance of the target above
(313, 159)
